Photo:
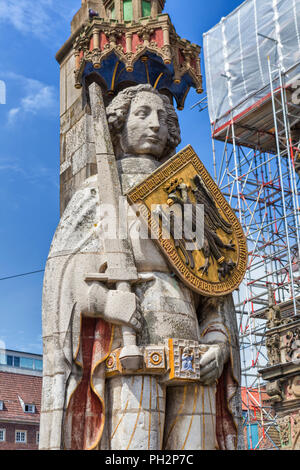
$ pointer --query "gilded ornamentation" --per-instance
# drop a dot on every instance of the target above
(184, 360)
(111, 362)
(88, 49)
(219, 267)
(154, 358)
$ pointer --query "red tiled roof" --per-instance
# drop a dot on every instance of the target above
(28, 388)
(252, 398)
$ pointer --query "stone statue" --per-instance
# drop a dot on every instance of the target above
(87, 402)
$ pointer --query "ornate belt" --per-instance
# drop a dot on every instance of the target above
(177, 361)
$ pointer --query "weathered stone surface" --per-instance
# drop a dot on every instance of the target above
(139, 409)
(76, 137)
(283, 375)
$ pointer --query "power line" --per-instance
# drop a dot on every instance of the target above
(21, 275)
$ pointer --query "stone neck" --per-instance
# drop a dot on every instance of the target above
(135, 168)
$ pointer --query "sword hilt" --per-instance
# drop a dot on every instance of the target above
(131, 357)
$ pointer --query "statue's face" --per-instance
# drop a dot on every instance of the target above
(146, 130)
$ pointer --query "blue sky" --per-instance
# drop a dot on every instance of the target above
(31, 32)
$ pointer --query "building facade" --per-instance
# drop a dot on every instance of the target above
(20, 400)
(283, 372)
(260, 432)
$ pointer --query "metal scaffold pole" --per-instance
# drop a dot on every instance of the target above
(262, 189)
(252, 77)
(281, 153)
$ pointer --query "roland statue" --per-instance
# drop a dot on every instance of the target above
(89, 401)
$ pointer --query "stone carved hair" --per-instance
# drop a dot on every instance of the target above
(118, 110)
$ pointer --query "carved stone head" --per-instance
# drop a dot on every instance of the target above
(143, 122)
(294, 387)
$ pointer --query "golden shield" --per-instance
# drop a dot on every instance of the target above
(219, 265)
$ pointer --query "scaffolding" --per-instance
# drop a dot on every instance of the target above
(255, 170)
(252, 64)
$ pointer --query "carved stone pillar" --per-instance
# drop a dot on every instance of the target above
(136, 9)
(283, 375)
(154, 8)
(166, 35)
(128, 37)
(119, 10)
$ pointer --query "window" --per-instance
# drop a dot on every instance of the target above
(127, 10)
(23, 362)
(37, 437)
(1, 405)
(21, 436)
(26, 363)
(38, 364)
(2, 435)
(16, 361)
(13, 361)
(29, 408)
(146, 8)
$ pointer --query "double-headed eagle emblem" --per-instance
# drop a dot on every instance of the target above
(210, 256)
(213, 248)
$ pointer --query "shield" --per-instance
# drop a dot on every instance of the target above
(211, 264)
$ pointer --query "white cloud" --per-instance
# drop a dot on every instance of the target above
(37, 174)
(42, 18)
(12, 114)
(2, 92)
(11, 167)
(38, 97)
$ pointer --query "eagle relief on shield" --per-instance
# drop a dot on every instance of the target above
(217, 265)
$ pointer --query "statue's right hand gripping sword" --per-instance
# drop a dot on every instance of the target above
(120, 266)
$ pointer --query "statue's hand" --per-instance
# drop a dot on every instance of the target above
(212, 363)
(114, 306)
(123, 308)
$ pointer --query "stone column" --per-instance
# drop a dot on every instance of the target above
(96, 48)
(136, 9)
(128, 37)
(167, 48)
(102, 11)
(96, 38)
(119, 10)
(166, 35)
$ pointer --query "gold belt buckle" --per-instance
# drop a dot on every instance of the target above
(154, 362)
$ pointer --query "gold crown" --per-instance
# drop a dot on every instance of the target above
(172, 185)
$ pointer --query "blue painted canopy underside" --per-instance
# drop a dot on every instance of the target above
(155, 66)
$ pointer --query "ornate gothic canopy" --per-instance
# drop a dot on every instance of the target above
(128, 52)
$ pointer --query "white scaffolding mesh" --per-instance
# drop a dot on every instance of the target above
(236, 52)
